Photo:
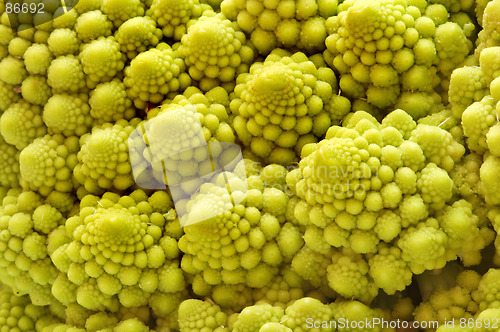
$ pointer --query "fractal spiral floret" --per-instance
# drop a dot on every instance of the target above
(118, 253)
(283, 104)
(249, 165)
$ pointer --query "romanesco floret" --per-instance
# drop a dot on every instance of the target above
(254, 317)
(92, 25)
(63, 42)
(17, 313)
(7, 96)
(488, 290)
(467, 85)
(438, 145)
(354, 311)
(101, 60)
(83, 6)
(283, 104)
(35, 90)
(312, 265)
(488, 36)
(444, 119)
(21, 123)
(103, 160)
(68, 114)
(388, 270)
(18, 45)
(451, 303)
(109, 102)
(489, 174)
(274, 327)
(285, 288)
(65, 75)
(466, 232)
(467, 184)
(119, 11)
(386, 50)
(119, 254)
(172, 16)
(484, 320)
(288, 24)
(137, 35)
(6, 34)
(12, 70)
(299, 315)
(476, 122)
(48, 162)
(348, 276)
(37, 59)
(215, 51)
(490, 63)
(196, 315)
(153, 74)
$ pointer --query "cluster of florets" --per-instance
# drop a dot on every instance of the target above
(303, 314)
(284, 103)
(488, 18)
(120, 251)
(26, 223)
(17, 313)
(395, 54)
(459, 301)
(480, 119)
(283, 23)
(215, 51)
(382, 194)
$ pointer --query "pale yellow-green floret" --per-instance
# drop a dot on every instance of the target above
(65, 75)
(47, 164)
(138, 34)
(173, 16)
(215, 51)
(68, 114)
(284, 103)
(119, 255)
(386, 50)
(153, 74)
(21, 123)
(289, 24)
(92, 25)
(103, 160)
(101, 60)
